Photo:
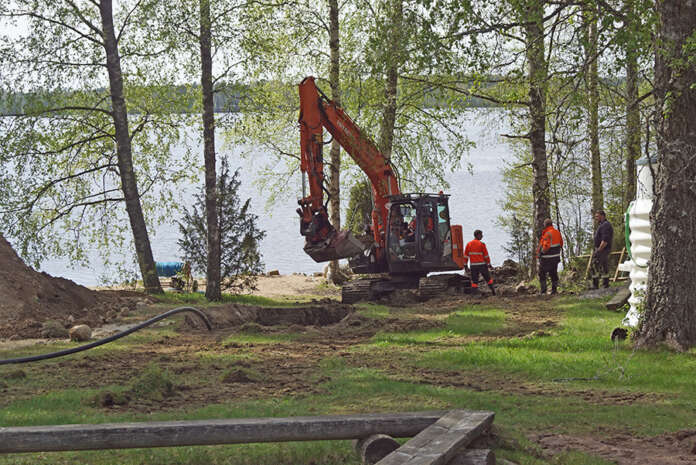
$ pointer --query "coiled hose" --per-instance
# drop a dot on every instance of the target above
(91, 345)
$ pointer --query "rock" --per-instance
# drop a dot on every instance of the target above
(71, 320)
(140, 304)
(619, 300)
(522, 288)
(80, 333)
(273, 273)
(318, 274)
(52, 329)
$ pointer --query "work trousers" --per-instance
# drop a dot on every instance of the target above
(548, 266)
(600, 268)
(481, 269)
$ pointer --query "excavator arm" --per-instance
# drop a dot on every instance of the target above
(323, 242)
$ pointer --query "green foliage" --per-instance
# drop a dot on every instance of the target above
(359, 213)
(239, 235)
(61, 188)
(518, 246)
(153, 383)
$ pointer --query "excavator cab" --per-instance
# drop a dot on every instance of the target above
(419, 235)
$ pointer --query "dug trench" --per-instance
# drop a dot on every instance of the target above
(262, 353)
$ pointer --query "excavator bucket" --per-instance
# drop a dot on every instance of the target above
(341, 244)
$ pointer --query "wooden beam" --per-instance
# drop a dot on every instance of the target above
(440, 442)
(616, 273)
(474, 457)
(208, 432)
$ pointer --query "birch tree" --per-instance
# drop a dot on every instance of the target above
(73, 151)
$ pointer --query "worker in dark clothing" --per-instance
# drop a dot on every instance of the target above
(476, 254)
(549, 253)
(602, 248)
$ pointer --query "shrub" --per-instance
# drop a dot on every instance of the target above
(239, 235)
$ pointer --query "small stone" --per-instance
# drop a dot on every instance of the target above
(80, 333)
(521, 288)
(71, 319)
(140, 304)
(274, 273)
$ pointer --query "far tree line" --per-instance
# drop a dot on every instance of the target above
(591, 86)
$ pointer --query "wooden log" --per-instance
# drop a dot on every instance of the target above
(208, 432)
(374, 448)
(440, 442)
(473, 457)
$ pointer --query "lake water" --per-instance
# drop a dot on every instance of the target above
(474, 203)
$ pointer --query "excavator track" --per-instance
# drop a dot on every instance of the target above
(356, 291)
(429, 288)
(443, 284)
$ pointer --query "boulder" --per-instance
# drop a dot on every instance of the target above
(80, 333)
(522, 288)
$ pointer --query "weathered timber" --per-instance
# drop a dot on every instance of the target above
(473, 457)
(208, 432)
(374, 448)
(619, 299)
(440, 442)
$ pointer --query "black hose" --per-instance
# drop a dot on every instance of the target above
(142, 325)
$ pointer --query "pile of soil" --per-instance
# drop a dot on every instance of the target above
(30, 299)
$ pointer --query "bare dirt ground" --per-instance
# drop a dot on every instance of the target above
(30, 299)
(289, 366)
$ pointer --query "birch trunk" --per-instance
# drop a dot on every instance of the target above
(534, 33)
(124, 152)
(591, 81)
(632, 114)
(212, 288)
(335, 154)
(386, 133)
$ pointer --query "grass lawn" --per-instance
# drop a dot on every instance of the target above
(546, 367)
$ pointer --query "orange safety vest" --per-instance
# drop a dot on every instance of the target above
(476, 253)
(550, 243)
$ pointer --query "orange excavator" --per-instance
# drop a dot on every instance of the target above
(410, 236)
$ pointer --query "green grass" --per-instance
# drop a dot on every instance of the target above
(198, 299)
(466, 321)
(251, 339)
(579, 348)
(476, 374)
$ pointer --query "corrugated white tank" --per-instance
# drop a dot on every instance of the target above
(640, 239)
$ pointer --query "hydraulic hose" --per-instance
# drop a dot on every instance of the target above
(60, 353)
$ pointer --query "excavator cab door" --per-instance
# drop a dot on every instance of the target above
(428, 240)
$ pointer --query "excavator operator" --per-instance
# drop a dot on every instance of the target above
(476, 254)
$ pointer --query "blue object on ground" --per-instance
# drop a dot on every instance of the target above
(168, 269)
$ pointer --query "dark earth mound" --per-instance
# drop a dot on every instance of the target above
(29, 299)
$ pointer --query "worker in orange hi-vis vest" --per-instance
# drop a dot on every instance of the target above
(549, 254)
(476, 254)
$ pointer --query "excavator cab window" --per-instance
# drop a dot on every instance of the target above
(402, 231)
(443, 227)
(427, 230)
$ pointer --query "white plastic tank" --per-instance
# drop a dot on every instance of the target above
(640, 239)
